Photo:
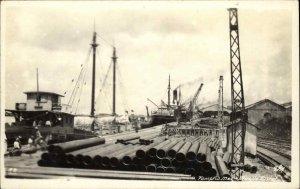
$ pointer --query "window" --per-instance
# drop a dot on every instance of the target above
(38, 98)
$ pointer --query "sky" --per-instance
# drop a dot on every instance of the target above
(188, 40)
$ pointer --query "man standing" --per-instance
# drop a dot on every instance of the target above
(133, 121)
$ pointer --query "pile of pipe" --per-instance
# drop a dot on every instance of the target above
(196, 156)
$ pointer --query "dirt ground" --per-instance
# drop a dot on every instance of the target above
(264, 173)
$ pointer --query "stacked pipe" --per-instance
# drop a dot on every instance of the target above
(57, 152)
(195, 156)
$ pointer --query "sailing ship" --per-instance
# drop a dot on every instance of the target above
(43, 111)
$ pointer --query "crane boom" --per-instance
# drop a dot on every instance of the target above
(152, 102)
(194, 99)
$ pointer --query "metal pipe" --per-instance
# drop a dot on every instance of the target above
(78, 155)
(222, 169)
(99, 155)
(138, 161)
(129, 138)
(161, 153)
(172, 152)
(206, 166)
(152, 151)
(75, 145)
(161, 169)
(151, 168)
(170, 170)
(142, 168)
(192, 153)
(166, 162)
(180, 156)
(151, 160)
(190, 171)
(213, 172)
(201, 155)
(226, 158)
(175, 163)
(105, 160)
(56, 172)
(141, 153)
(115, 160)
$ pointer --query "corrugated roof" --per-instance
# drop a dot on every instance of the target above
(263, 101)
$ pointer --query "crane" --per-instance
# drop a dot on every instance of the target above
(193, 101)
(238, 114)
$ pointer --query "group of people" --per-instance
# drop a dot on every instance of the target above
(41, 123)
(33, 140)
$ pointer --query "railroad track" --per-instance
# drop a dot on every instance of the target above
(274, 140)
(275, 144)
(275, 158)
(283, 147)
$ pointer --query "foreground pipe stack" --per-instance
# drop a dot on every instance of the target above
(195, 156)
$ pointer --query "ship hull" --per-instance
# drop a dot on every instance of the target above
(50, 134)
(157, 120)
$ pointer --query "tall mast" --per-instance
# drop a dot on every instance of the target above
(94, 46)
(37, 86)
(114, 58)
(169, 88)
(37, 80)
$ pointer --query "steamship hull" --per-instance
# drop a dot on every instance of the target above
(158, 120)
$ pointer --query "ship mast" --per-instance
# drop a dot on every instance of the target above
(94, 46)
(114, 58)
(37, 86)
(169, 88)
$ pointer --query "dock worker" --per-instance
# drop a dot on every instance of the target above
(30, 141)
(38, 136)
(17, 143)
(48, 123)
(134, 121)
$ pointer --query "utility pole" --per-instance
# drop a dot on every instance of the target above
(94, 46)
(114, 58)
(220, 104)
(238, 114)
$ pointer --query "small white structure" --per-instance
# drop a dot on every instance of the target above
(250, 143)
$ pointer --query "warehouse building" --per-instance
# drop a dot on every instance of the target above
(265, 109)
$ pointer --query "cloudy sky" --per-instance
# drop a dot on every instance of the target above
(188, 40)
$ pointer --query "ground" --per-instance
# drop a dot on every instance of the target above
(264, 173)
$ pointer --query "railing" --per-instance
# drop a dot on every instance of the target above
(191, 131)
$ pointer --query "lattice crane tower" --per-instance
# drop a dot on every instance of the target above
(238, 117)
